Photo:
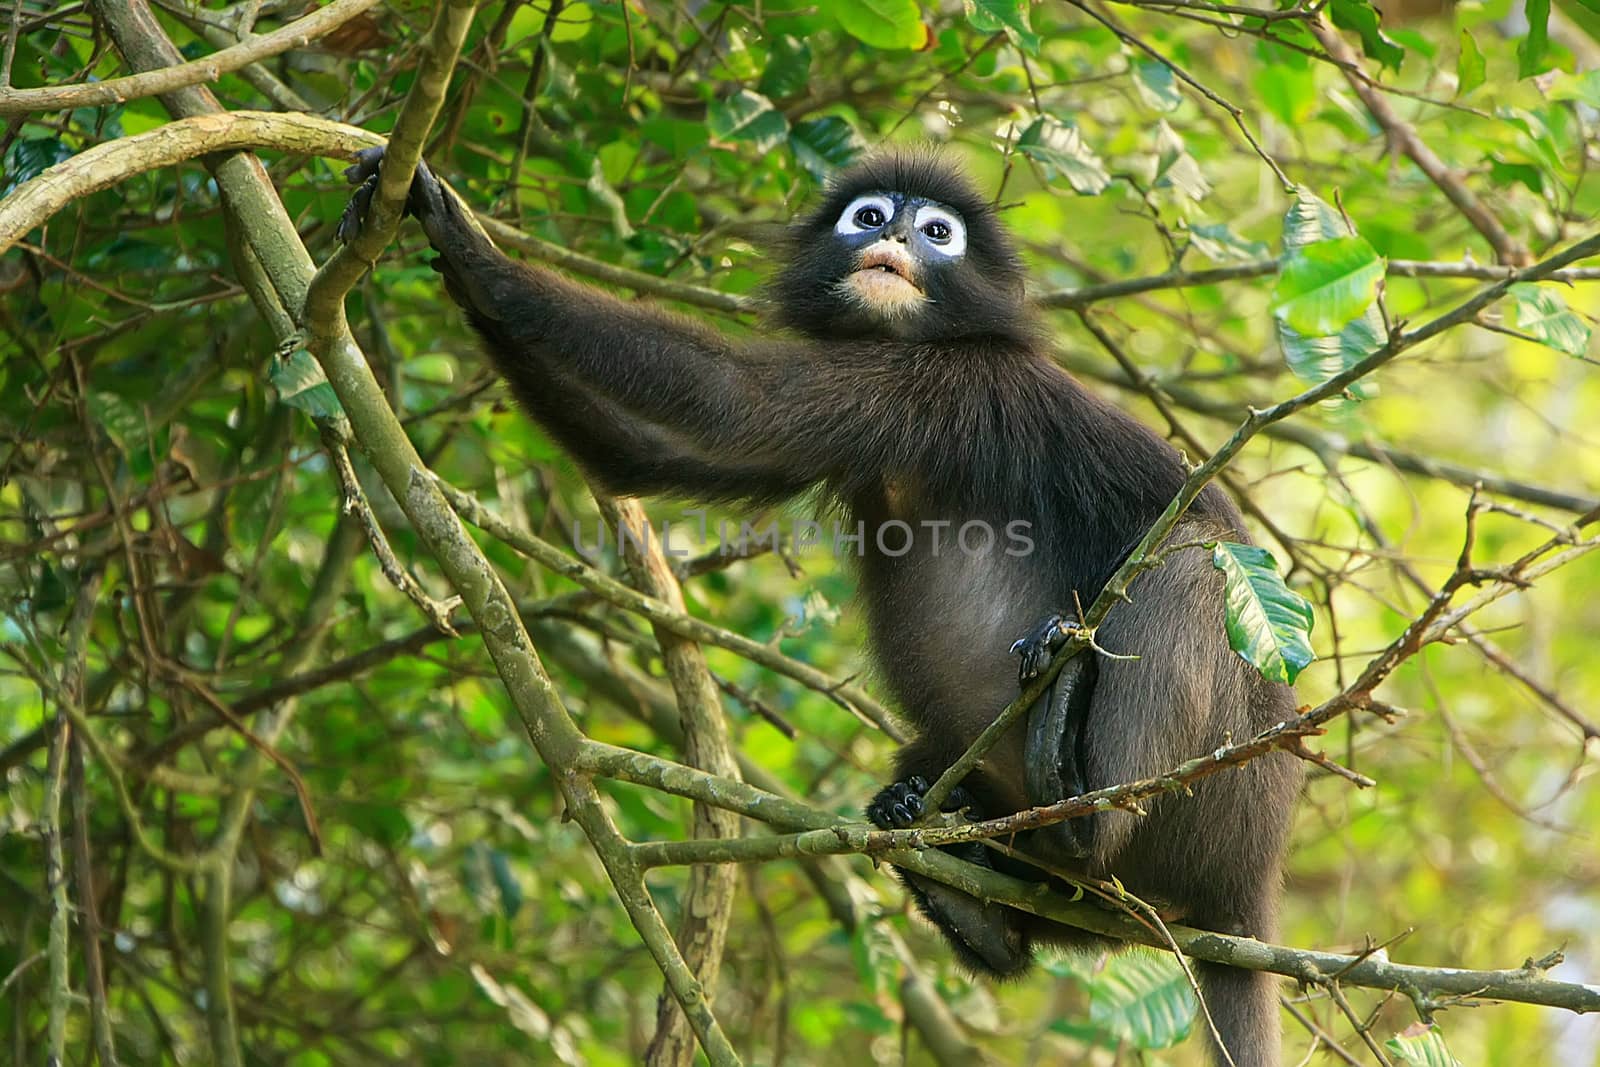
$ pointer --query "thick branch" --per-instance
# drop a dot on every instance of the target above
(708, 904)
(107, 164)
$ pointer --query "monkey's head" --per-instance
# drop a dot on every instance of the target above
(902, 247)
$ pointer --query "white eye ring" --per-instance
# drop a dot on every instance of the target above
(857, 218)
(942, 230)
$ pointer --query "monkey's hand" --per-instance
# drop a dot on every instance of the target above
(899, 806)
(1039, 644)
(426, 199)
(467, 258)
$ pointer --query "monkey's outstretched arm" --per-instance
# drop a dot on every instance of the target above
(643, 398)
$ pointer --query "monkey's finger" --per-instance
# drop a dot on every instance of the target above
(355, 212)
(366, 165)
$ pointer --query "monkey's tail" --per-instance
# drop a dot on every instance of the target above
(1244, 1006)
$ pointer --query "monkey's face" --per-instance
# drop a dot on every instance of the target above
(896, 243)
(903, 248)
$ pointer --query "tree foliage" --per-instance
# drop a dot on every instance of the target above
(256, 797)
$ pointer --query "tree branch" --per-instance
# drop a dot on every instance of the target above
(297, 34)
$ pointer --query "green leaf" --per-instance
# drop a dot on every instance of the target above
(606, 197)
(1220, 244)
(788, 68)
(1426, 1049)
(505, 882)
(1157, 85)
(573, 23)
(1531, 52)
(1504, 174)
(1059, 148)
(1584, 87)
(1316, 359)
(1542, 315)
(746, 118)
(1327, 284)
(30, 157)
(1142, 998)
(1471, 69)
(824, 145)
(887, 24)
(301, 384)
(1360, 18)
(991, 16)
(123, 422)
(1268, 623)
(521, 1012)
(738, 63)
(1311, 219)
(1176, 169)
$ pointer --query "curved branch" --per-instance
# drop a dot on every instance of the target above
(297, 34)
(106, 165)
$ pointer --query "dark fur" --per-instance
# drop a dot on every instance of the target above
(959, 414)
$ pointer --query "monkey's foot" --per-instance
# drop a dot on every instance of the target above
(899, 806)
(1039, 644)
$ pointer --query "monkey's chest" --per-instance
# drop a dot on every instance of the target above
(944, 613)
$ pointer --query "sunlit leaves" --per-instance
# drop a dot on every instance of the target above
(1176, 169)
(1142, 998)
(1157, 85)
(1219, 243)
(746, 118)
(992, 16)
(1531, 51)
(1268, 623)
(886, 24)
(1420, 1046)
(29, 157)
(1309, 219)
(521, 1012)
(1541, 314)
(1061, 152)
(788, 68)
(1360, 18)
(1325, 285)
(1316, 359)
(608, 199)
(1323, 307)
(302, 385)
(823, 145)
(1471, 68)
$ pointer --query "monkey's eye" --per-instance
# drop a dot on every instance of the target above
(865, 213)
(943, 230)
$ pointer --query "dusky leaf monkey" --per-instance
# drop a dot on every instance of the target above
(908, 378)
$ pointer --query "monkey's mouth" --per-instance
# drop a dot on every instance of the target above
(885, 280)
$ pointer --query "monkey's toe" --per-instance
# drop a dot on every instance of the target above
(1038, 645)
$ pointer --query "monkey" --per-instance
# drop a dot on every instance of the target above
(907, 376)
